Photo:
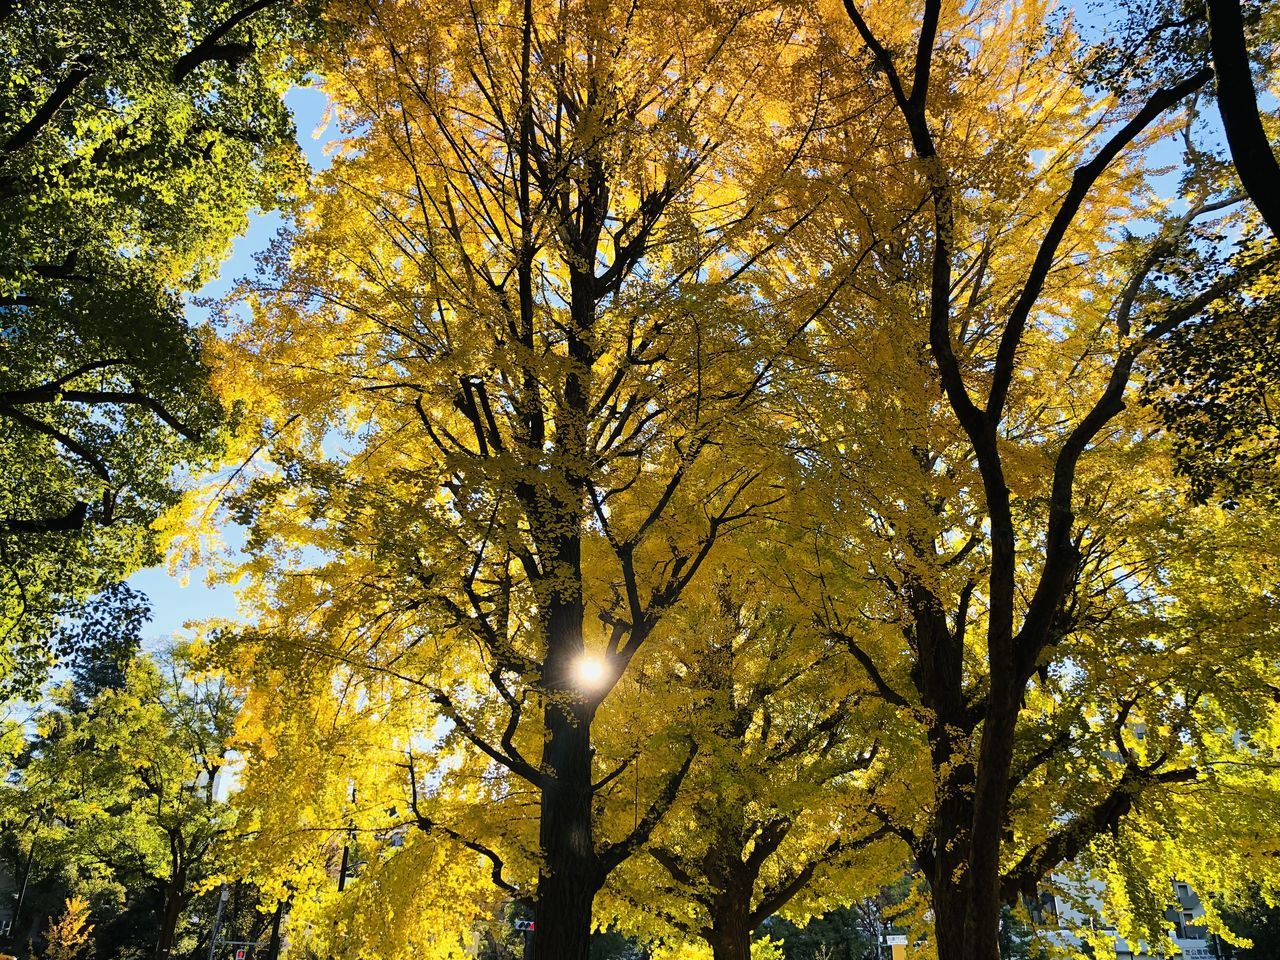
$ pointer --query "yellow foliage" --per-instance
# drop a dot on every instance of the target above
(68, 936)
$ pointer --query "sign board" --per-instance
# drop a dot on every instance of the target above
(524, 924)
(240, 953)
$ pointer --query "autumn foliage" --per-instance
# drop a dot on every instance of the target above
(706, 461)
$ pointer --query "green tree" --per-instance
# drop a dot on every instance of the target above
(1258, 921)
(133, 143)
(844, 933)
(120, 794)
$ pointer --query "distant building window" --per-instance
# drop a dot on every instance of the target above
(1189, 930)
(1043, 909)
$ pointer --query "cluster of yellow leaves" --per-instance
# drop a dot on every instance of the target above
(396, 365)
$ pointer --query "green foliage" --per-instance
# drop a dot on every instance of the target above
(609, 945)
(1017, 939)
(845, 933)
(117, 795)
(102, 638)
(134, 142)
(1216, 386)
(1257, 921)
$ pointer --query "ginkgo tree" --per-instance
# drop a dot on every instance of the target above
(508, 378)
(774, 814)
(588, 289)
(969, 411)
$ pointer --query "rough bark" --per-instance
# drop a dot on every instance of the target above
(730, 937)
(949, 921)
(734, 881)
(571, 870)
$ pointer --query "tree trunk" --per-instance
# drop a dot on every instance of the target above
(173, 899)
(967, 906)
(966, 916)
(730, 933)
(1238, 104)
(950, 908)
(991, 801)
(730, 938)
(571, 871)
(273, 945)
(948, 875)
(982, 926)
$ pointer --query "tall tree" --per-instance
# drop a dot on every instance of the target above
(501, 370)
(1022, 523)
(132, 147)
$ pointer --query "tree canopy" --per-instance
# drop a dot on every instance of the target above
(134, 143)
(114, 800)
(701, 465)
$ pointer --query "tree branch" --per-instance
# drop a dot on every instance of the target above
(615, 853)
(51, 393)
(80, 69)
(1082, 182)
(1238, 106)
(212, 48)
(92, 460)
(516, 764)
(427, 825)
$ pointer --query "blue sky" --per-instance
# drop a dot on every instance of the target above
(174, 604)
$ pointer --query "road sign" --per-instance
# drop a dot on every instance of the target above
(240, 953)
(524, 924)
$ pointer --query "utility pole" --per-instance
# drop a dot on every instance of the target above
(223, 894)
(346, 847)
(342, 872)
(22, 895)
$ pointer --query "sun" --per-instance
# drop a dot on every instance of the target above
(590, 672)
